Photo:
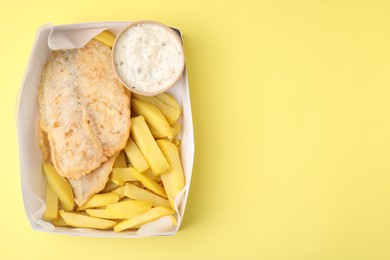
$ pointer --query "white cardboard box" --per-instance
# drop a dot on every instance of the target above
(50, 38)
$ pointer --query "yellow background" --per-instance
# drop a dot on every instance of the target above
(292, 131)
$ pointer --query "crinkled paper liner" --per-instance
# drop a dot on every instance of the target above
(50, 38)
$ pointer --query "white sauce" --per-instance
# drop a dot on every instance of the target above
(148, 57)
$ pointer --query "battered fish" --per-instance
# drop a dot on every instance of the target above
(84, 109)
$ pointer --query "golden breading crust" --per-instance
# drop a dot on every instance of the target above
(84, 109)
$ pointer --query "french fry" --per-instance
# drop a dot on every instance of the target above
(169, 112)
(146, 143)
(168, 100)
(121, 175)
(128, 208)
(149, 183)
(148, 216)
(51, 211)
(137, 193)
(137, 160)
(99, 200)
(59, 185)
(106, 37)
(173, 180)
(153, 117)
(83, 221)
(120, 161)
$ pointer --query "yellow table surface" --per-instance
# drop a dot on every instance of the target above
(291, 112)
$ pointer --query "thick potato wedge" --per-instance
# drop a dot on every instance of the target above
(99, 200)
(137, 160)
(149, 183)
(153, 117)
(120, 161)
(51, 211)
(121, 175)
(146, 143)
(128, 208)
(169, 112)
(83, 221)
(106, 37)
(59, 185)
(168, 100)
(173, 180)
(137, 193)
(148, 216)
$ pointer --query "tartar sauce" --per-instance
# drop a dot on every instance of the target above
(148, 57)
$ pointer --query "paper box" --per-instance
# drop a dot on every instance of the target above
(50, 38)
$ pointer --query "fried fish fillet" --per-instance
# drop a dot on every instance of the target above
(105, 99)
(84, 109)
(86, 186)
(75, 150)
